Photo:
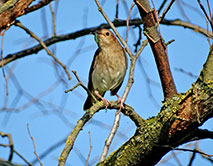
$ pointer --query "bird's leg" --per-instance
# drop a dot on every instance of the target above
(106, 102)
(120, 100)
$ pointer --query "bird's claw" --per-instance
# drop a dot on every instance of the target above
(106, 103)
(121, 101)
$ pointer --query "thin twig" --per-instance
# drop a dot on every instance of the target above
(3, 71)
(8, 145)
(174, 156)
(166, 10)
(17, 23)
(127, 21)
(128, 111)
(162, 5)
(206, 15)
(130, 81)
(111, 136)
(90, 149)
(70, 36)
(132, 69)
(80, 84)
(210, 13)
(53, 19)
(192, 158)
(39, 5)
(117, 7)
(186, 72)
(207, 28)
(113, 28)
(195, 28)
(25, 160)
(71, 89)
(34, 147)
(138, 43)
(187, 150)
(118, 113)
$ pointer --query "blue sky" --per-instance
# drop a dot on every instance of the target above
(56, 113)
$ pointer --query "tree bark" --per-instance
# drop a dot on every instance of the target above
(176, 124)
(150, 22)
(10, 10)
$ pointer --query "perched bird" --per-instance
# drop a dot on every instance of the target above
(108, 68)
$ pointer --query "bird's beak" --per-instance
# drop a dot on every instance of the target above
(93, 32)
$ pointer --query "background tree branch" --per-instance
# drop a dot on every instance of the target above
(86, 31)
(176, 124)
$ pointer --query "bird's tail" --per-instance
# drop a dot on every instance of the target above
(88, 102)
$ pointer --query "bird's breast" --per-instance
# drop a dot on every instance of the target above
(109, 71)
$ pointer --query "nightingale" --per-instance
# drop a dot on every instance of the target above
(108, 68)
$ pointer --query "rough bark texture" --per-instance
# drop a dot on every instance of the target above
(150, 22)
(177, 123)
(12, 11)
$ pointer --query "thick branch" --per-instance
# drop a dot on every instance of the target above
(35, 49)
(71, 36)
(128, 111)
(8, 16)
(176, 124)
(207, 74)
(150, 22)
(202, 134)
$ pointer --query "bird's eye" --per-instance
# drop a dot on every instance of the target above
(107, 33)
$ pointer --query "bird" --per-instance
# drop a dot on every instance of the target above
(108, 68)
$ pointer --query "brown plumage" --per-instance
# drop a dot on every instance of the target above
(108, 68)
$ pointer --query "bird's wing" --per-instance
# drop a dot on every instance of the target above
(94, 62)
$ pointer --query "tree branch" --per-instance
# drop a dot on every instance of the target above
(202, 134)
(71, 36)
(176, 124)
(128, 111)
(196, 28)
(17, 23)
(9, 15)
(159, 49)
(8, 145)
(39, 5)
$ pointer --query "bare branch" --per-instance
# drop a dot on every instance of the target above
(158, 47)
(15, 10)
(117, 7)
(25, 160)
(80, 84)
(8, 145)
(34, 147)
(166, 10)
(113, 28)
(53, 19)
(196, 28)
(202, 134)
(39, 5)
(187, 150)
(111, 135)
(4, 75)
(35, 49)
(162, 5)
(90, 149)
(128, 111)
(127, 21)
(44, 46)
(206, 15)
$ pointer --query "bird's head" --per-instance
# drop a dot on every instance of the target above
(104, 38)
